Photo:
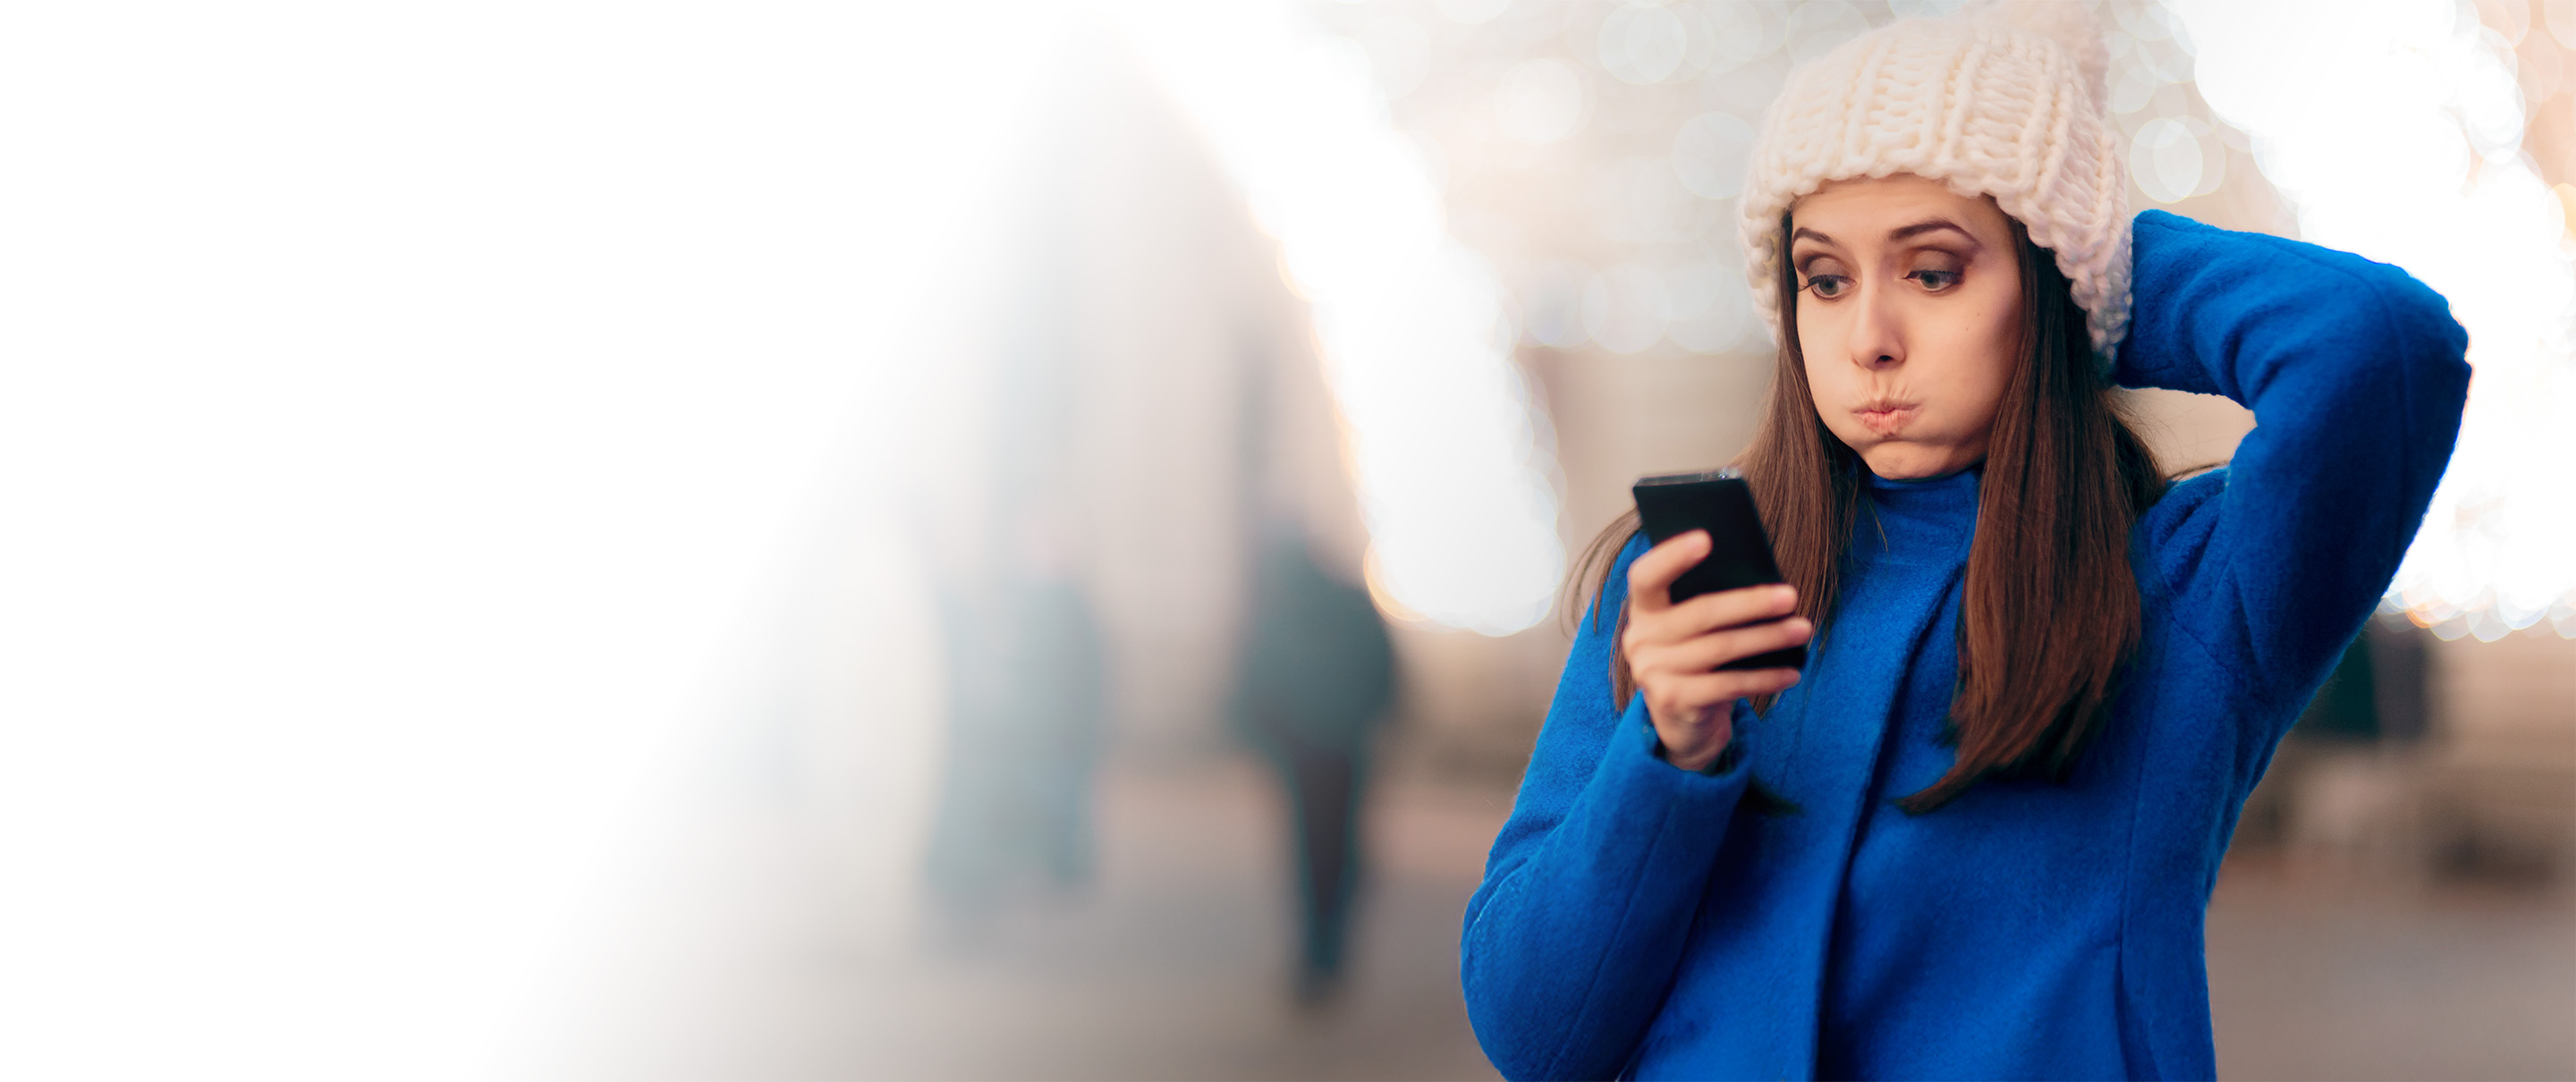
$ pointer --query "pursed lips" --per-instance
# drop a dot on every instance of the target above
(1885, 417)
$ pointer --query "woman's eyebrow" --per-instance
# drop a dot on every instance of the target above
(1930, 225)
(1811, 234)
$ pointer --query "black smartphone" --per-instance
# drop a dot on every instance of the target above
(1739, 551)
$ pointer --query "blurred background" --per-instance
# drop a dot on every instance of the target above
(1009, 540)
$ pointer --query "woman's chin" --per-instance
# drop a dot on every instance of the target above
(1913, 462)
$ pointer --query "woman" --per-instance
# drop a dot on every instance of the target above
(1976, 837)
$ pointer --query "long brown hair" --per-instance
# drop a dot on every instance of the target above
(2051, 613)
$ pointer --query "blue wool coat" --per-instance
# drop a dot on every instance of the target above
(1637, 919)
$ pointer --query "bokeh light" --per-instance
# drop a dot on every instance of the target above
(1711, 154)
(1643, 44)
(1540, 101)
(1454, 472)
(2395, 129)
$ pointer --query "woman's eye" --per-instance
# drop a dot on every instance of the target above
(1936, 280)
(1828, 286)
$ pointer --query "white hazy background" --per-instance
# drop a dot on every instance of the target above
(403, 406)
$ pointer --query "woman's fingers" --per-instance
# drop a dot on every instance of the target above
(1674, 650)
(1729, 608)
(1650, 578)
(1650, 625)
(1704, 652)
(1696, 696)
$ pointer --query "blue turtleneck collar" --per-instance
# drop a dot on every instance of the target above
(1918, 521)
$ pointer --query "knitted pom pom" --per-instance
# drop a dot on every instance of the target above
(2069, 23)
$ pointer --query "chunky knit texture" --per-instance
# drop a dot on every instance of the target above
(2003, 100)
(1644, 921)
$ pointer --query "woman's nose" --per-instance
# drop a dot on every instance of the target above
(1877, 338)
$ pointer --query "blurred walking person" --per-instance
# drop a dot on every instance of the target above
(1025, 703)
(1317, 675)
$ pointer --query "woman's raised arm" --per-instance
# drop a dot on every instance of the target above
(1574, 937)
(2355, 374)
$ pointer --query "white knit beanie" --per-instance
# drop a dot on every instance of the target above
(2001, 99)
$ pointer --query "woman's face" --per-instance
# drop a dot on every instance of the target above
(1909, 316)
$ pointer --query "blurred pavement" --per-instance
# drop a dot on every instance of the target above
(1177, 963)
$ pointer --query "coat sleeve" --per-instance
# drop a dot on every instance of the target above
(2356, 376)
(1574, 937)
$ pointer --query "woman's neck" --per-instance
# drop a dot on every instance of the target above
(1932, 517)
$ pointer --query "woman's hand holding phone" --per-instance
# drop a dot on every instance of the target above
(1674, 650)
